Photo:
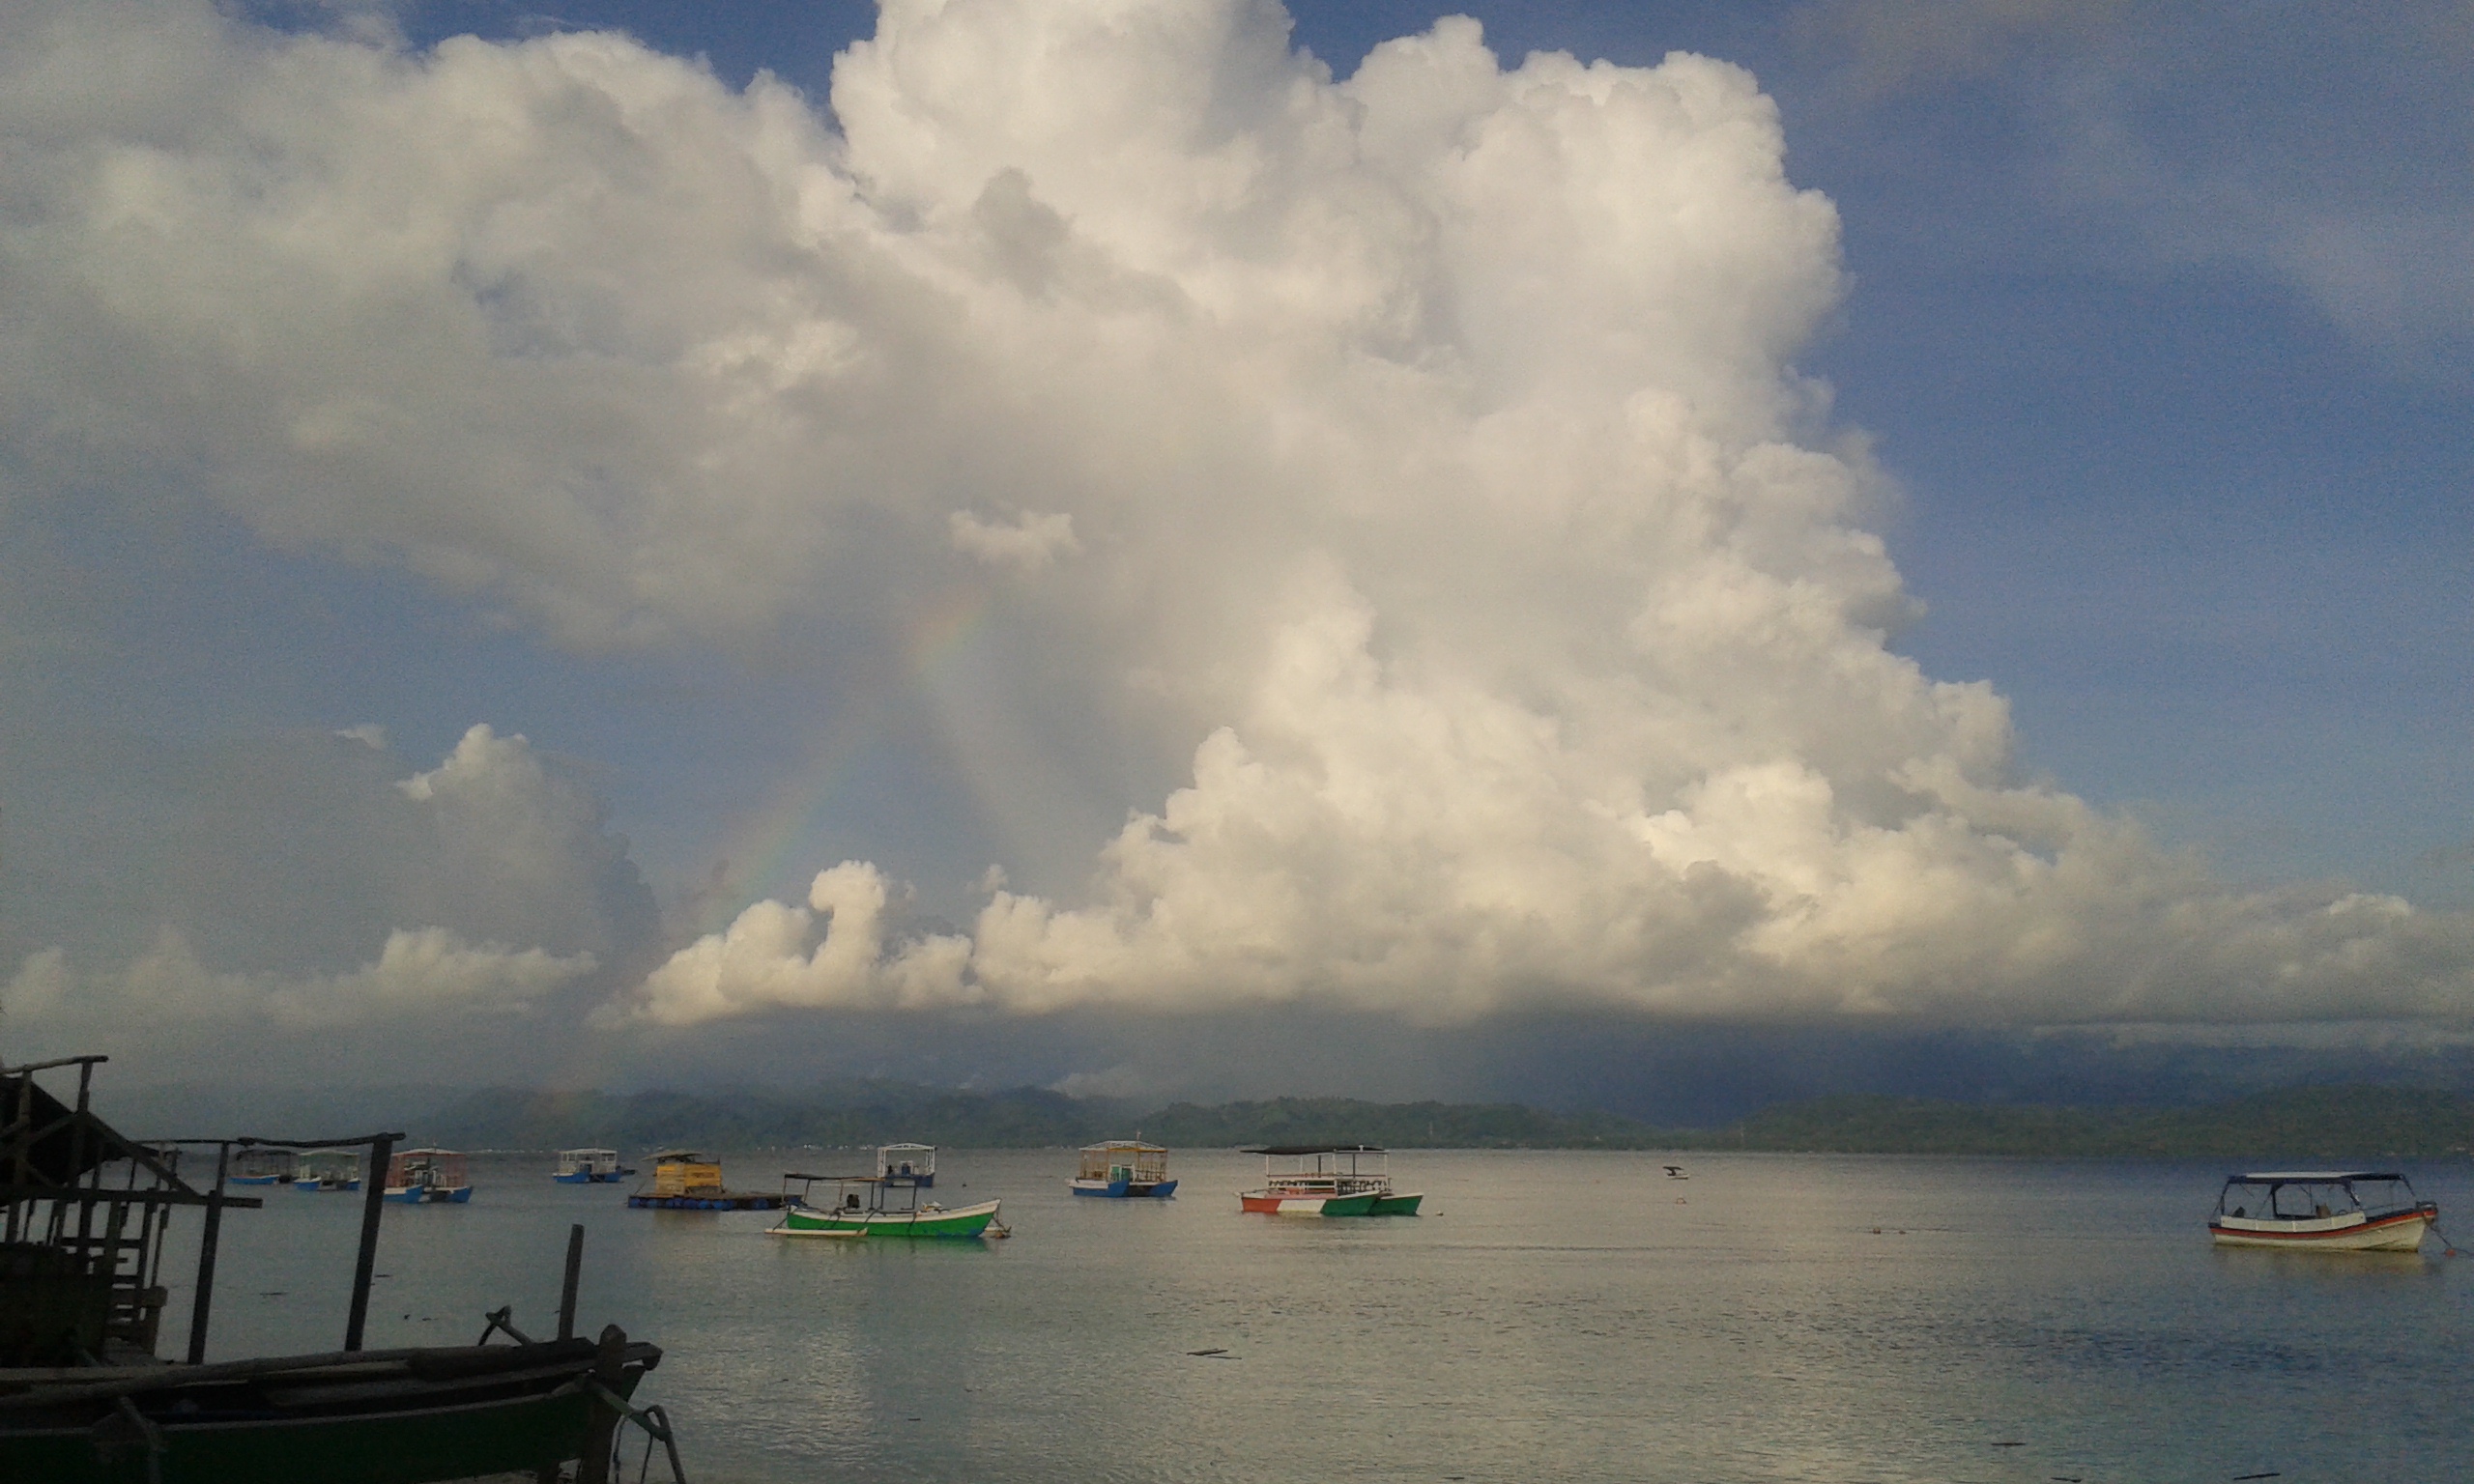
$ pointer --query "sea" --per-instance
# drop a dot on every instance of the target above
(1549, 1316)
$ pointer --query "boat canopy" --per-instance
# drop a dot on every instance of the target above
(1128, 1161)
(1293, 1151)
(2309, 1177)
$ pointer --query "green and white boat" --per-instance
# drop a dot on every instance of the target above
(1327, 1180)
(882, 1204)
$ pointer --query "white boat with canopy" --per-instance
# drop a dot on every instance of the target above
(2334, 1211)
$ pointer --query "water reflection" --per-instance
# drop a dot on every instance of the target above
(1554, 1315)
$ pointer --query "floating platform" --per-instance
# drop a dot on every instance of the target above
(728, 1200)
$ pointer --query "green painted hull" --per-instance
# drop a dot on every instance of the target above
(1397, 1204)
(962, 1221)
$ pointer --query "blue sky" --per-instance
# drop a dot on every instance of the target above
(2154, 318)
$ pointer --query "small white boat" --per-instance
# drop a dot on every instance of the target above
(328, 1169)
(907, 1164)
(2321, 1210)
(589, 1167)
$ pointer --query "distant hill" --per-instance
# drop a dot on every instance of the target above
(2319, 1123)
(1394, 1125)
(837, 1117)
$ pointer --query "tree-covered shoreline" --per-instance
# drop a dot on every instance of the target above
(2326, 1122)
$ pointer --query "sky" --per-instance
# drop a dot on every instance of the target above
(1200, 546)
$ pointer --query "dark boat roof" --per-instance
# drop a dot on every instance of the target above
(2309, 1177)
(1314, 1149)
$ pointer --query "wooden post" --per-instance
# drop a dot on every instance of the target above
(567, 1287)
(206, 1244)
(381, 1149)
(601, 1426)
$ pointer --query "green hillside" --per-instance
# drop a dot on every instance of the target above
(2322, 1122)
(2318, 1123)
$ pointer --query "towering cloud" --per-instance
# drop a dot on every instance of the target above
(1422, 452)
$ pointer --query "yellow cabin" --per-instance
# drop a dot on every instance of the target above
(682, 1172)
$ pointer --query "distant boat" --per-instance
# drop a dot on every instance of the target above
(259, 1166)
(1676, 1171)
(684, 1179)
(912, 1162)
(880, 1205)
(427, 1177)
(589, 1167)
(328, 1169)
(1328, 1179)
(1123, 1167)
(2322, 1211)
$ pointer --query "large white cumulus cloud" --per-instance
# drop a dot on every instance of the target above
(1425, 445)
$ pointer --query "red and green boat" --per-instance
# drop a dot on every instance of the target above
(1327, 1180)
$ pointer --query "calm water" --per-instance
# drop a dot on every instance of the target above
(1566, 1316)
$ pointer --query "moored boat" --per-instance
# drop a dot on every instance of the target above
(427, 1177)
(263, 1167)
(912, 1162)
(2321, 1210)
(686, 1180)
(328, 1170)
(880, 1204)
(1328, 1179)
(84, 1399)
(1121, 1168)
(589, 1167)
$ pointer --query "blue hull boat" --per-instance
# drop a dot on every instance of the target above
(429, 1195)
(1122, 1189)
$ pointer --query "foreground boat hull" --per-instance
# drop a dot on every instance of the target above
(961, 1221)
(309, 1431)
(2403, 1232)
(1397, 1204)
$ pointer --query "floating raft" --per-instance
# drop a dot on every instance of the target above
(686, 1180)
(728, 1200)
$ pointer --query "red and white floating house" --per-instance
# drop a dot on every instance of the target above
(2323, 1210)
